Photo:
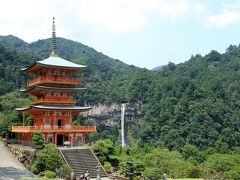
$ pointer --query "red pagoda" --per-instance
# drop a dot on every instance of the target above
(54, 82)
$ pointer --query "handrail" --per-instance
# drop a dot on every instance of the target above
(52, 116)
(60, 100)
(53, 79)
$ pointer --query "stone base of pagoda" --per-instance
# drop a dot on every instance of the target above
(60, 139)
(72, 139)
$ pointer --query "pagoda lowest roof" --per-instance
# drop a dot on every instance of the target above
(55, 61)
(54, 88)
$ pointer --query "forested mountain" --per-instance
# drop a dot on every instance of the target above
(192, 107)
(196, 102)
(158, 68)
(100, 70)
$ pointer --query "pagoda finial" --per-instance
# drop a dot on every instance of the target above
(53, 45)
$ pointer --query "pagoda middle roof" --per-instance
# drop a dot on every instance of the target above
(74, 108)
(54, 88)
(53, 61)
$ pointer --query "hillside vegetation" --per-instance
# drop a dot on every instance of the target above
(191, 108)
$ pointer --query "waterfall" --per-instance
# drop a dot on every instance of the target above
(122, 124)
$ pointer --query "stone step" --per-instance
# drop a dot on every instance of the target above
(81, 160)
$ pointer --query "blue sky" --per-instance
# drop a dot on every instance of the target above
(145, 33)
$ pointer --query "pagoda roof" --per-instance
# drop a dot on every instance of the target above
(46, 107)
(53, 87)
(54, 61)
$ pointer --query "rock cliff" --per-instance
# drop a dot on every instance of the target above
(24, 154)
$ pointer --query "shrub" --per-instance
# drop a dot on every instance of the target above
(129, 170)
(221, 162)
(234, 173)
(35, 168)
(108, 167)
(47, 159)
(37, 140)
(65, 171)
(50, 174)
(153, 174)
(102, 149)
(138, 168)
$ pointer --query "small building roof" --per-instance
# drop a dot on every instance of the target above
(54, 61)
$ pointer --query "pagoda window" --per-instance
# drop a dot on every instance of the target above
(50, 140)
(48, 94)
(66, 121)
(56, 72)
(57, 94)
(67, 113)
(47, 121)
(48, 114)
(49, 72)
(66, 138)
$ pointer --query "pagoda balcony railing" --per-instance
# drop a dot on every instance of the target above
(52, 117)
(53, 80)
(54, 100)
(56, 129)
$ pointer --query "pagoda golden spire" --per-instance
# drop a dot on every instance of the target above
(53, 45)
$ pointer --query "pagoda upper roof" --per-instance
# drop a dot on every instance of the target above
(55, 61)
(53, 88)
(47, 107)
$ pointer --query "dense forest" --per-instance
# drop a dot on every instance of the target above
(192, 108)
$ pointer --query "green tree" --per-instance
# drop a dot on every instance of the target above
(129, 169)
(66, 171)
(103, 149)
(153, 173)
(222, 162)
(47, 158)
(108, 167)
(37, 140)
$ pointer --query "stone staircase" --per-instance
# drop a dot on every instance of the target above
(82, 159)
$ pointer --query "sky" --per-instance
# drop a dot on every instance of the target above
(144, 33)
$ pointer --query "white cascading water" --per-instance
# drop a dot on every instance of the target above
(122, 124)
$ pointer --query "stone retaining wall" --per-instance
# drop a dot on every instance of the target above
(25, 155)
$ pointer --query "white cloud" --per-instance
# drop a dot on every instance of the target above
(31, 20)
(200, 8)
(114, 16)
(174, 9)
(230, 14)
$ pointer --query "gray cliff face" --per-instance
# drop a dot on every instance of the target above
(110, 115)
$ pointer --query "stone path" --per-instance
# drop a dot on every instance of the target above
(11, 168)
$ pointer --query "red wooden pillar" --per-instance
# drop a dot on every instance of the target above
(55, 138)
(23, 137)
(74, 139)
(83, 138)
(70, 120)
(18, 136)
(45, 137)
(71, 139)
